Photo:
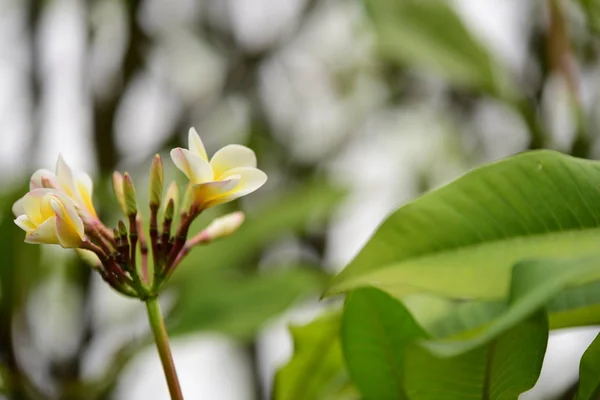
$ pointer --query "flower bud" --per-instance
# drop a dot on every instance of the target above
(129, 195)
(224, 226)
(172, 196)
(122, 229)
(156, 182)
(170, 210)
(188, 199)
(47, 183)
(89, 257)
(117, 181)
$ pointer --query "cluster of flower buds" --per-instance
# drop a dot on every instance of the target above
(58, 209)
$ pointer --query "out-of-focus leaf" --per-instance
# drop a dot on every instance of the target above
(376, 331)
(316, 370)
(501, 370)
(533, 284)
(429, 34)
(592, 11)
(20, 260)
(462, 240)
(589, 372)
(238, 305)
(286, 214)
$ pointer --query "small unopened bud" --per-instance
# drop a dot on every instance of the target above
(170, 210)
(117, 182)
(172, 195)
(129, 195)
(47, 183)
(224, 226)
(122, 229)
(188, 198)
(116, 234)
(156, 182)
(89, 257)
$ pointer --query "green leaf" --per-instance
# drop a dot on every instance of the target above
(376, 330)
(316, 370)
(592, 12)
(430, 35)
(534, 283)
(500, 370)
(20, 260)
(589, 372)
(239, 305)
(462, 240)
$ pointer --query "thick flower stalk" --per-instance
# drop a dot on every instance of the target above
(58, 209)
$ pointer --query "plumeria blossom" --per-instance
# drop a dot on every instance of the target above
(58, 209)
(77, 185)
(48, 216)
(229, 174)
(134, 261)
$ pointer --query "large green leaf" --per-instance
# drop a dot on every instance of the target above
(500, 370)
(239, 305)
(462, 240)
(589, 372)
(429, 34)
(534, 283)
(381, 344)
(316, 370)
(376, 330)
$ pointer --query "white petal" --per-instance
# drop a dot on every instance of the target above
(17, 208)
(64, 176)
(232, 156)
(250, 180)
(195, 144)
(31, 206)
(84, 181)
(197, 169)
(25, 223)
(44, 234)
(205, 194)
(36, 179)
(67, 214)
(85, 188)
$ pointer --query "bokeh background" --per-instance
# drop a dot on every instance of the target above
(353, 107)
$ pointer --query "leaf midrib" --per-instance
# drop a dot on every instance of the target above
(453, 251)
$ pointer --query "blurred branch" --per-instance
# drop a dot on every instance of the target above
(105, 107)
(562, 62)
(34, 11)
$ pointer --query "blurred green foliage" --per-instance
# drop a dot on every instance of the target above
(424, 254)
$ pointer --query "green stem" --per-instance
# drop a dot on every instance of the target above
(162, 344)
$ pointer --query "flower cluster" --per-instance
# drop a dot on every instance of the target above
(58, 209)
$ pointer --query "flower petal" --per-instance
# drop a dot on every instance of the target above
(250, 180)
(64, 176)
(206, 193)
(197, 169)
(67, 219)
(44, 233)
(31, 206)
(232, 156)
(85, 188)
(36, 179)
(195, 144)
(17, 208)
(25, 223)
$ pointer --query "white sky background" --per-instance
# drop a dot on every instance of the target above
(211, 366)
